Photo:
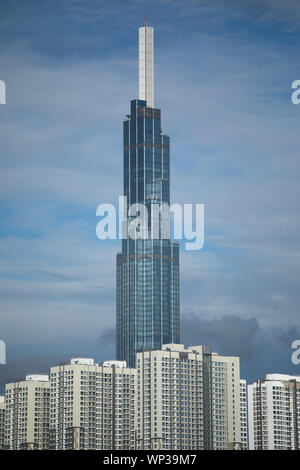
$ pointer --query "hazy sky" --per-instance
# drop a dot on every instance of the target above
(223, 74)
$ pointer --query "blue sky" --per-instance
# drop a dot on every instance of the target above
(223, 74)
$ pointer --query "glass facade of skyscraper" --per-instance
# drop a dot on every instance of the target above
(147, 269)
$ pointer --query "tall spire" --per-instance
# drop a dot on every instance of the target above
(146, 64)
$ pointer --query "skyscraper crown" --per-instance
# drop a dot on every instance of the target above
(146, 64)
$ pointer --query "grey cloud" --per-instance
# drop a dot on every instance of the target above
(108, 336)
(106, 343)
(286, 337)
(53, 276)
(17, 369)
(261, 350)
(230, 335)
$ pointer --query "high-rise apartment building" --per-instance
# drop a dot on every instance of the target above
(244, 417)
(274, 413)
(187, 399)
(92, 405)
(147, 267)
(27, 413)
(2, 420)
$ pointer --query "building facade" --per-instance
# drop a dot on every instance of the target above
(148, 266)
(92, 406)
(27, 407)
(244, 415)
(187, 399)
(2, 420)
(274, 413)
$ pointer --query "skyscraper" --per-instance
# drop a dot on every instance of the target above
(147, 268)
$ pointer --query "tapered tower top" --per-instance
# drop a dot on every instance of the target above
(146, 64)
